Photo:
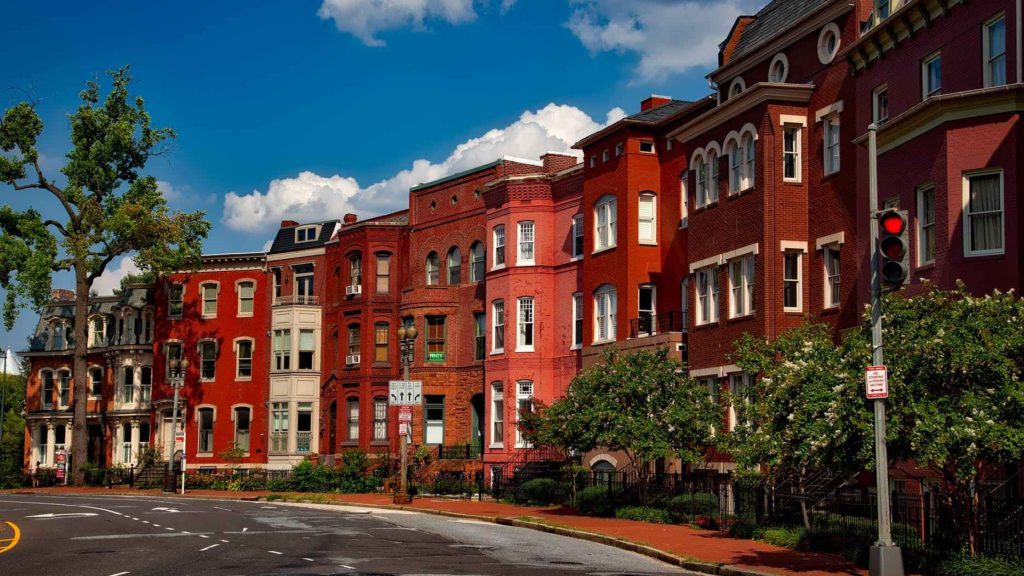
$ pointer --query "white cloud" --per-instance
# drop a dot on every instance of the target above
(364, 18)
(311, 197)
(111, 278)
(183, 198)
(507, 5)
(668, 36)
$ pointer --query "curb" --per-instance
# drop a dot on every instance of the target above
(698, 566)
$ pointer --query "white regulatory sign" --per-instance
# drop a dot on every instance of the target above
(877, 380)
(405, 392)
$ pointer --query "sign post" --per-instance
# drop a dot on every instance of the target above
(179, 438)
(405, 394)
(876, 381)
(62, 464)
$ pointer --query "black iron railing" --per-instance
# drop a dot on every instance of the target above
(661, 323)
(460, 452)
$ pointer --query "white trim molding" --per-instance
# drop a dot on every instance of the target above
(837, 238)
(793, 245)
(830, 110)
(792, 120)
(705, 263)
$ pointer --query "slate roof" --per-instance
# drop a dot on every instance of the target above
(285, 239)
(774, 19)
(136, 296)
(648, 118)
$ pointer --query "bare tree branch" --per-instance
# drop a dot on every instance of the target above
(58, 226)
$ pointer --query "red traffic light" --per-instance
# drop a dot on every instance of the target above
(893, 247)
(892, 223)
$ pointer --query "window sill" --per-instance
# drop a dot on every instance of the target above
(603, 342)
(244, 316)
(742, 317)
(498, 267)
(204, 454)
(792, 310)
(382, 364)
(576, 258)
(497, 352)
(496, 447)
(576, 347)
(208, 317)
(926, 267)
(605, 249)
(648, 242)
(243, 378)
(792, 181)
(985, 255)
(829, 176)
(525, 263)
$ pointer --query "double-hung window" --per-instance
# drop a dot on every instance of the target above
(355, 271)
(735, 167)
(307, 349)
(477, 262)
(525, 255)
(577, 236)
(498, 321)
(47, 396)
(701, 173)
(282, 349)
(243, 420)
(791, 165)
(454, 266)
(925, 225)
(304, 284)
(995, 51)
(381, 335)
(983, 213)
(243, 353)
(352, 419)
(741, 387)
(352, 357)
(646, 313)
(604, 219)
(831, 142)
(207, 360)
(205, 417)
(64, 393)
(741, 286)
(577, 320)
(524, 333)
(127, 384)
(436, 337)
(175, 300)
(497, 414)
(95, 381)
(433, 419)
(145, 384)
(499, 246)
(99, 337)
(707, 295)
(209, 293)
(646, 214)
(479, 335)
(380, 419)
(832, 275)
(749, 159)
(605, 309)
(383, 273)
(712, 185)
(279, 427)
(524, 405)
(880, 104)
(246, 293)
(931, 76)
(792, 290)
(684, 199)
(433, 269)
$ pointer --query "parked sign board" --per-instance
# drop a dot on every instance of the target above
(405, 392)
(405, 414)
(877, 380)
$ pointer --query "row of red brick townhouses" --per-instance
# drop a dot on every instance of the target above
(685, 225)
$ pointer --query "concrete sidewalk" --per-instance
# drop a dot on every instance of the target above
(700, 550)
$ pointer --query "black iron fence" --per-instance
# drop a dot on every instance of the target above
(460, 452)
(653, 324)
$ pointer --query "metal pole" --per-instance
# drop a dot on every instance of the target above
(403, 493)
(174, 432)
(885, 557)
(3, 398)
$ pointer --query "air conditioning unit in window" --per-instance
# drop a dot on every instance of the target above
(353, 290)
(352, 359)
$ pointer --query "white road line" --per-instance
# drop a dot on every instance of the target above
(185, 532)
(130, 536)
(244, 530)
(275, 552)
(225, 541)
(209, 547)
(224, 509)
(308, 559)
(346, 567)
(203, 536)
(134, 518)
(145, 521)
(120, 574)
(168, 528)
(156, 525)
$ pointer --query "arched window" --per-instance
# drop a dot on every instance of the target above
(701, 169)
(735, 167)
(684, 199)
(748, 159)
(355, 271)
(712, 176)
(95, 381)
(454, 266)
(602, 470)
(47, 397)
(737, 87)
(433, 269)
(605, 303)
(604, 222)
(477, 262)
(499, 246)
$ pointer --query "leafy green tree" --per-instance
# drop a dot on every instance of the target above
(108, 210)
(642, 403)
(12, 389)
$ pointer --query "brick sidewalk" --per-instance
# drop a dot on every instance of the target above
(701, 545)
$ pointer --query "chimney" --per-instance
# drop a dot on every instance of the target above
(654, 101)
(556, 162)
(351, 218)
(288, 223)
(62, 295)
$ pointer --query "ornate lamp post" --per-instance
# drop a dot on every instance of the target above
(406, 342)
(176, 371)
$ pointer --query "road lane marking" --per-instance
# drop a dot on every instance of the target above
(145, 521)
(211, 546)
(51, 515)
(120, 574)
(244, 530)
(11, 542)
(308, 559)
(275, 552)
(203, 536)
(129, 536)
(225, 541)
(169, 528)
(39, 503)
(224, 509)
(346, 567)
(156, 525)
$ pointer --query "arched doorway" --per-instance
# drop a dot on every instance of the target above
(332, 428)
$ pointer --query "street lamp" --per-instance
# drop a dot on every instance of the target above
(3, 398)
(406, 341)
(176, 377)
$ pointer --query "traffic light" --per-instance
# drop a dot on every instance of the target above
(893, 248)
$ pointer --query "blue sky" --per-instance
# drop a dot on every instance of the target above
(290, 108)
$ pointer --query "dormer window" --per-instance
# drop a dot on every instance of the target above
(306, 233)
(59, 342)
(647, 147)
(737, 87)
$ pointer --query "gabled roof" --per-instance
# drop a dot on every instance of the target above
(772, 20)
(285, 239)
(647, 119)
(135, 296)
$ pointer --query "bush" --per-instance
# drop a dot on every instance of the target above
(447, 485)
(791, 538)
(541, 492)
(596, 501)
(743, 529)
(977, 566)
(686, 507)
(644, 514)
(274, 497)
(309, 477)
(279, 485)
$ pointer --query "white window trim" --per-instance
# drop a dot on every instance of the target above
(609, 292)
(316, 233)
(620, 149)
(493, 444)
(737, 87)
(520, 441)
(199, 352)
(986, 42)
(684, 200)
(504, 323)
(234, 428)
(823, 56)
(213, 422)
(576, 230)
(494, 247)
(238, 299)
(966, 192)
(826, 286)
(798, 248)
(883, 87)
(713, 312)
(520, 260)
(747, 285)
(780, 57)
(520, 347)
(577, 310)
(925, 94)
(202, 298)
(826, 127)
(918, 193)
(612, 216)
(88, 371)
(640, 147)
(252, 350)
(799, 153)
(653, 241)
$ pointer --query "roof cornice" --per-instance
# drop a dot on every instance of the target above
(628, 122)
(754, 96)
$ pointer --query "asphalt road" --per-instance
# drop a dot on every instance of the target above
(122, 535)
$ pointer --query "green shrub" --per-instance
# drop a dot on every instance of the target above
(274, 497)
(977, 566)
(743, 529)
(791, 538)
(597, 501)
(279, 485)
(541, 492)
(686, 507)
(309, 477)
(452, 486)
(644, 514)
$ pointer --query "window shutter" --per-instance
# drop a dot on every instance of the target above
(646, 212)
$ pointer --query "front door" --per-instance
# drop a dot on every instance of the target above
(478, 420)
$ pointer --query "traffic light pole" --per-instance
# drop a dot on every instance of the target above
(885, 558)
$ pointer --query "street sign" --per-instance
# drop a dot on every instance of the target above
(405, 414)
(877, 380)
(62, 459)
(405, 392)
(403, 428)
(179, 439)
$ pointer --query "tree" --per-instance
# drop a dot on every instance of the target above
(12, 446)
(642, 403)
(108, 210)
(805, 412)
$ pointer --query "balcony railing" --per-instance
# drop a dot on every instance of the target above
(297, 300)
(302, 442)
(278, 442)
(653, 324)
(460, 452)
